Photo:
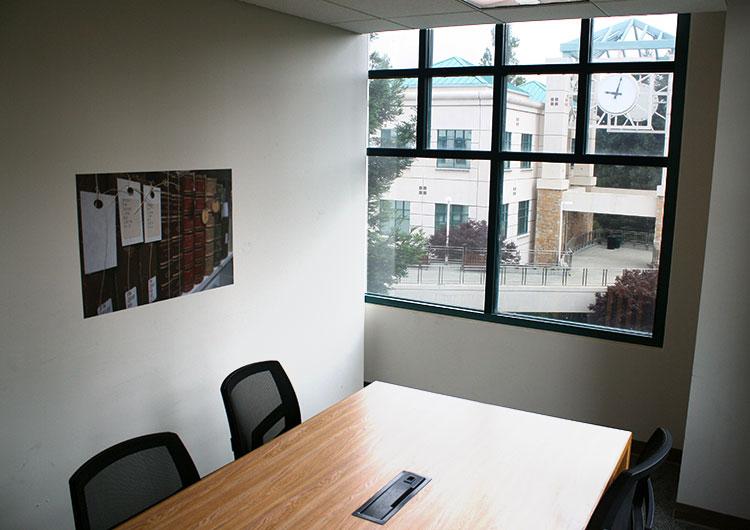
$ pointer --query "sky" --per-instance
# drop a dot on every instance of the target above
(539, 41)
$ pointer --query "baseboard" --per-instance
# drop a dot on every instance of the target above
(703, 517)
(674, 456)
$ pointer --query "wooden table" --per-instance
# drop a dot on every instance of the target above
(491, 467)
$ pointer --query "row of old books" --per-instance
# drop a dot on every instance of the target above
(190, 252)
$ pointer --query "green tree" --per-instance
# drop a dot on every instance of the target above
(388, 254)
(510, 52)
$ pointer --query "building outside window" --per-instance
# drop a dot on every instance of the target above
(523, 218)
(577, 257)
(453, 139)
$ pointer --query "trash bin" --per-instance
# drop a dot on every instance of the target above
(613, 242)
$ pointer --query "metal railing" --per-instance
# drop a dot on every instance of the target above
(513, 275)
(477, 257)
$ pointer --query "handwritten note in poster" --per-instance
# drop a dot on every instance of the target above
(131, 218)
(106, 307)
(131, 298)
(151, 213)
(151, 289)
(98, 228)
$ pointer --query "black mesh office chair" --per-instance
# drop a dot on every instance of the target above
(126, 479)
(260, 404)
(628, 504)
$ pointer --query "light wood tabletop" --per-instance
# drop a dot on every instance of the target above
(491, 467)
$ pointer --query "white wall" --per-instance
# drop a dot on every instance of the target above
(622, 385)
(91, 86)
(715, 464)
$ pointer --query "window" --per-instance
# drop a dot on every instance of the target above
(592, 116)
(387, 138)
(503, 222)
(459, 215)
(441, 217)
(394, 217)
(506, 146)
(523, 218)
(453, 139)
(525, 146)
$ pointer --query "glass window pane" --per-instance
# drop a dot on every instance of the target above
(441, 257)
(543, 42)
(630, 114)
(541, 113)
(461, 105)
(590, 253)
(464, 46)
(394, 49)
(634, 38)
(392, 113)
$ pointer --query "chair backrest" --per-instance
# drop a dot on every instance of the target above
(260, 404)
(128, 478)
(615, 509)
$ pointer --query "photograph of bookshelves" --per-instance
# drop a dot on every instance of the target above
(151, 236)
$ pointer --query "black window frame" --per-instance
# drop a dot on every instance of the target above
(585, 68)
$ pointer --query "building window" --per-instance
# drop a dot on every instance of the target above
(459, 215)
(523, 218)
(453, 139)
(526, 146)
(503, 222)
(507, 136)
(387, 138)
(395, 217)
(603, 118)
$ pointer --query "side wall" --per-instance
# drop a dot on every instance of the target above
(622, 385)
(91, 86)
(715, 464)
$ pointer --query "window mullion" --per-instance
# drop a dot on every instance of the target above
(496, 173)
(424, 89)
(584, 84)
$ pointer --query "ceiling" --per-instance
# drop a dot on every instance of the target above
(366, 16)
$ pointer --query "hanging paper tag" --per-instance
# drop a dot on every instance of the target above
(151, 289)
(131, 298)
(106, 307)
(131, 218)
(151, 213)
(99, 231)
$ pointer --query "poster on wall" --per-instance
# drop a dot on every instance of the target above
(150, 236)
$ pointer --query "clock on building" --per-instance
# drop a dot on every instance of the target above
(617, 94)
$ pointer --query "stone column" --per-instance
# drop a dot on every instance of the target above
(548, 230)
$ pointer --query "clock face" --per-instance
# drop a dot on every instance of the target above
(617, 94)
